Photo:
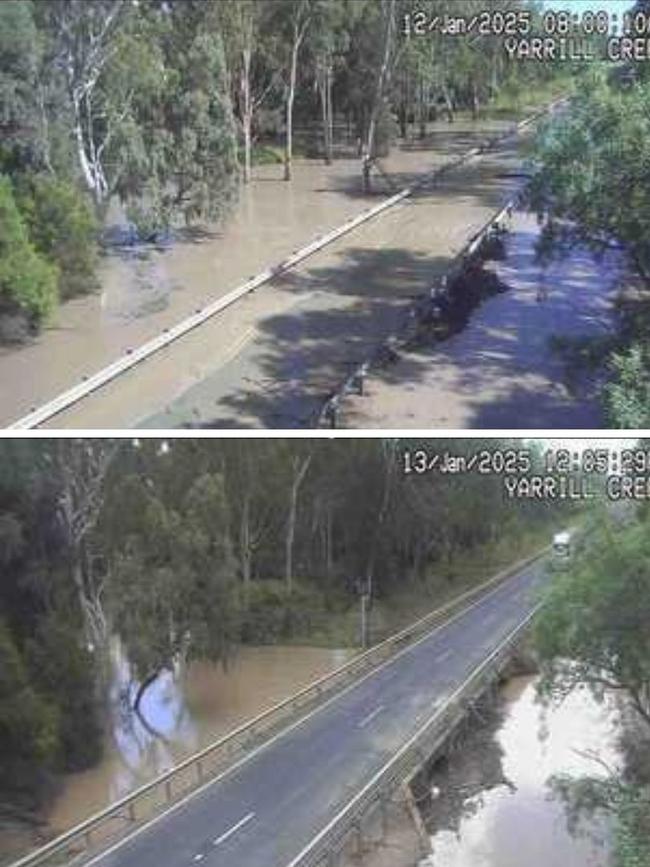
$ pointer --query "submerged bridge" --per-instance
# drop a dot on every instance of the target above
(294, 786)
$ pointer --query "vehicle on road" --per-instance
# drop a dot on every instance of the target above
(562, 549)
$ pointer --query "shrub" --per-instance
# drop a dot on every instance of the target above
(272, 615)
(627, 396)
(28, 283)
(62, 226)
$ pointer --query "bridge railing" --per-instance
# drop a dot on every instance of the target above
(106, 827)
(325, 849)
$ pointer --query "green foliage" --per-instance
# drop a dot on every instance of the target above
(28, 284)
(173, 149)
(28, 728)
(19, 60)
(595, 630)
(628, 803)
(271, 615)
(595, 626)
(594, 167)
(63, 227)
(49, 713)
(633, 827)
(64, 671)
(593, 185)
(627, 395)
(173, 591)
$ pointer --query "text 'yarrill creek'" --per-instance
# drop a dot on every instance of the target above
(577, 487)
(616, 49)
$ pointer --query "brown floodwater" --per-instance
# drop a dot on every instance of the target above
(147, 289)
(189, 710)
(519, 821)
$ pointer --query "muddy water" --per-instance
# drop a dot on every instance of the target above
(503, 370)
(516, 821)
(187, 711)
(144, 291)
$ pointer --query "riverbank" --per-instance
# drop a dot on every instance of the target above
(489, 800)
(183, 713)
(336, 627)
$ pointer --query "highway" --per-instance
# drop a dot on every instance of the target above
(266, 809)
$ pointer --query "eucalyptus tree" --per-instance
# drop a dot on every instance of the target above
(173, 593)
(147, 101)
(22, 115)
(252, 77)
(388, 25)
(83, 38)
(327, 41)
(290, 22)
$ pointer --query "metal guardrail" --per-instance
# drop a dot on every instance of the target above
(323, 850)
(354, 384)
(107, 826)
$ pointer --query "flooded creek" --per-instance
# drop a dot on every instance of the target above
(518, 361)
(495, 807)
(185, 713)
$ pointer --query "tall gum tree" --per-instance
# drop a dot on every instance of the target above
(251, 80)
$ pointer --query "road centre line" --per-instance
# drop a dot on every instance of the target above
(364, 722)
(309, 849)
(443, 656)
(222, 839)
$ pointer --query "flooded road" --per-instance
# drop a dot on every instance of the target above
(147, 290)
(273, 358)
(510, 817)
(503, 370)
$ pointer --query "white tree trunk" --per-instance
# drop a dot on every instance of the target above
(299, 29)
(382, 80)
(299, 472)
(247, 110)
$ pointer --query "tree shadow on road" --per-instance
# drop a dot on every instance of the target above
(303, 355)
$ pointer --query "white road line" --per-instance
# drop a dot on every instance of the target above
(233, 830)
(445, 655)
(235, 348)
(358, 798)
(364, 722)
(198, 857)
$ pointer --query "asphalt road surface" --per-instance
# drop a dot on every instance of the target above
(264, 812)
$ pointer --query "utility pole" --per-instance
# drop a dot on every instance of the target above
(365, 593)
